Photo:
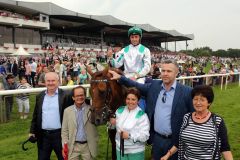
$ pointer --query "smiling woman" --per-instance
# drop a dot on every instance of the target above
(202, 99)
(203, 134)
(132, 126)
(132, 98)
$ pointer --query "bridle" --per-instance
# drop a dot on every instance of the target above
(107, 110)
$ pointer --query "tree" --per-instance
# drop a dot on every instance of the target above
(207, 51)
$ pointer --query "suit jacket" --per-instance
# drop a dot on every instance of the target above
(15, 69)
(182, 103)
(64, 101)
(69, 130)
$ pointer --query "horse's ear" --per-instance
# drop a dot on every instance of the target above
(100, 67)
(105, 71)
(89, 70)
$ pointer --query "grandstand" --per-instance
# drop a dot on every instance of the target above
(38, 26)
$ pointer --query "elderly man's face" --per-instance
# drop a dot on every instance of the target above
(52, 81)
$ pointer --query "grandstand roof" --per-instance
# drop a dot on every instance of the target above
(60, 17)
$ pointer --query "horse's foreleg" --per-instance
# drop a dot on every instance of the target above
(112, 134)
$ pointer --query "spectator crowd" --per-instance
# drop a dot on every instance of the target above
(69, 64)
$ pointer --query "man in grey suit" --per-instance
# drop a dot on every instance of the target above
(167, 102)
(78, 132)
(47, 118)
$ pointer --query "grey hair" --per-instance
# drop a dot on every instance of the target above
(170, 61)
(56, 75)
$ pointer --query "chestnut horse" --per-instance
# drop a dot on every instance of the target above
(107, 95)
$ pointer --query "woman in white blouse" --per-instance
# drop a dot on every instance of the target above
(132, 126)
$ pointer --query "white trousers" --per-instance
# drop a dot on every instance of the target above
(23, 103)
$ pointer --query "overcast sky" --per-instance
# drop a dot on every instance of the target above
(215, 23)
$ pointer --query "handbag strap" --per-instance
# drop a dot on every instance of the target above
(216, 148)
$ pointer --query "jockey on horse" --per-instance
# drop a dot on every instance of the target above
(135, 58)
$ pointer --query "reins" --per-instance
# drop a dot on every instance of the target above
(106, 108)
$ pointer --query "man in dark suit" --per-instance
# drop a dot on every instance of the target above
(14, 68)
(47, 118)
(167, 102)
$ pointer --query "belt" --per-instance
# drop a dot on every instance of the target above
(51, 131)
(164, 136)
(81, 142)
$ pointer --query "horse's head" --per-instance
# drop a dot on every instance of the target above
(105, 96)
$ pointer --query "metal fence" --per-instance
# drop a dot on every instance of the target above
(212, 79)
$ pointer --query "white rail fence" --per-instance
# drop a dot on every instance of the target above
(184, 80)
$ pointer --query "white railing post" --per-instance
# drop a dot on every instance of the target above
(226, 82)
(87, 92)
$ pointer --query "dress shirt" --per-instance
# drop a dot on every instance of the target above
(81, 135)
(162, 114)
(11, 68)
(34, 67)
(50, 112)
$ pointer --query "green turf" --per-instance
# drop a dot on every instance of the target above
(226, 104)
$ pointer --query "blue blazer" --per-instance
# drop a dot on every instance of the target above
(182, 103)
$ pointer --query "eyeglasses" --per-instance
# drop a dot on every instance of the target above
(164, 97)
(79, 96)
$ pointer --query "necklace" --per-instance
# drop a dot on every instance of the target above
(197, 117)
